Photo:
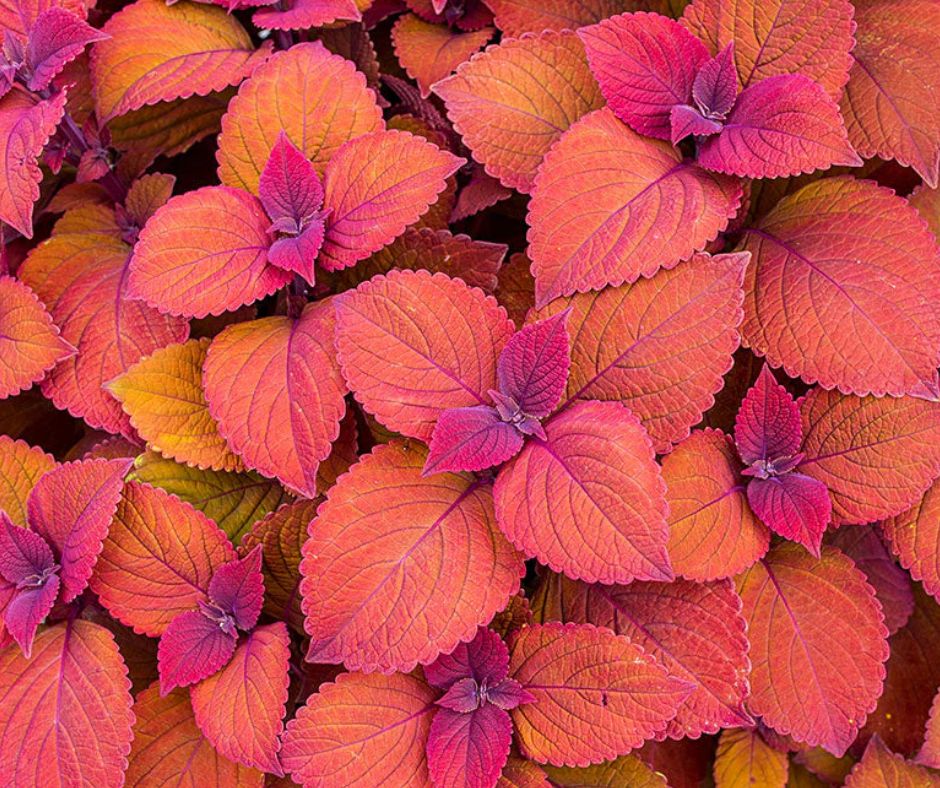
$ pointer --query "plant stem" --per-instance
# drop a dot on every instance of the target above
(116, 189)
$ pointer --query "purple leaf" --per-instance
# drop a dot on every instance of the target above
(30, 604)
(685, 121)
(767, 429)
(463, 696)
(793, 505)
(193, 647)
(298, 253)
(483, 659)
(57, 37)
(716, 84)
(237, 590)
(469, 750)
(471, 439)
(508, 694)
(23, 553)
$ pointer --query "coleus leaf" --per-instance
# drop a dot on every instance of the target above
(716, 84)
(685, 121)
(369, 206)
(192, 648)
(469, 749)
(601, 515)
(660, 346)
(168, 748)
(914, 537)
(929, 754)
(852, 445)
(888, 102)
(426, 369)
(382, 527)
(471, 439)
(625, 770)
(645, 64)
(783, 125)
(290, 366)
(845, 243)
(146, 195)
(30, 344)
(589, 681)
(779, 37)
(26, 124)
(182, 269)
(163, 396)
(303, 14)
(157, 52)
(533, 367)
(57, 37)
(158, 559)
(80, 274)
(360, 729)
(272, 100)
(610, 206)
(512, 102)
(767, 430)
(794, 505)
(712, 531)
(881, 768)
(694, 630)
(21, 466)
(237, 589)
(20, 15)
(817, 668)
(743, 757)
(515, 17)
(76, 674)
(240, 709)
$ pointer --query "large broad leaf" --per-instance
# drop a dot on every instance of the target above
(843, 289)
(779, 37)
(597, 695)
(205, 252)
(515, 17)
(589, 501)
(158, 559)
(660, 346)
(881, 768)
(626, 770)
(744, 758)
(511, 103)
(695, 631)
(163, 396)
(303, 14)
(361, 731)
(376, 185)
(890, 103)
(240, 709)
(275, 390)
(66, 713)
(158, 53)
(914, 536)
(169, 749)
(469, 747)
(712, 531)
(21, 466)
(316, 97)
(30, 344)
(818, 642)
(610, 206)
(81, 275)
(399, 567)
(438, 341)
(877, 456)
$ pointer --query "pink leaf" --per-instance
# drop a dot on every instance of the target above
(238, 588)
(303, 14)
(27, 609)
(784, 125)
(469, 750)
(57, 37)
(193, 647)
(645, 64)
(793, 505)
(23, 553)
(716, 84)
(685, 121)
(485, 658)
(471, 439)
(533, 367)
(767, 427)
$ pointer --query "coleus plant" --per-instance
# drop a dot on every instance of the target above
(425, 392)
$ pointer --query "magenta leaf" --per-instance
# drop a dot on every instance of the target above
(237, 590)
(471, 439)
(793, 505)
(716, 84)
(685, 121)
(508, 694)
(533, 367)
(193, 647)
(484, 659)
(463, 696)
(767, 429)
(57, 37)
(469, 749)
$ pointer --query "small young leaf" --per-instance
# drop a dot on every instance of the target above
(533, 367)
(469, 749)
(767, 427)
(483, 659)
(57, 37)
(796, 506)
(192, 648)
(237, 588)
(716, 84)
(471, 439)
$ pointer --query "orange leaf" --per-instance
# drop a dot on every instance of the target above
(744, 758)
(316, 97)
(163, 396)
(515, 17)
(169, 749)
(914, 537)
(400, 567)
(275, 390)
(881, 768)
(512, 102)
(65, 714)
(626, 770)
(159, 52)
(158, 559)
(30, 344)
(21, 466)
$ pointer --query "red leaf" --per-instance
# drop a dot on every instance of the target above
(597, 695)
(484, 659)
(57, 37)
(695, 631)
(290, 367)
(66, 713)
(610, 206)
(793, 505)
(471, 439)
(192, 648)
(240, 709)
(158, 559)
(784, 125)
(237, 588)
(600, 513)
(376, 185)
(360, 730)
(914, 537)
(30, 344)
(400, 568)
(768, 427)
(469, 749)
(659, 346)
(71, 508)
(645, 65)
(817, 645)
(425, 369)
(845, 243)
(853, 445)
(881, 768)
(304, 14)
